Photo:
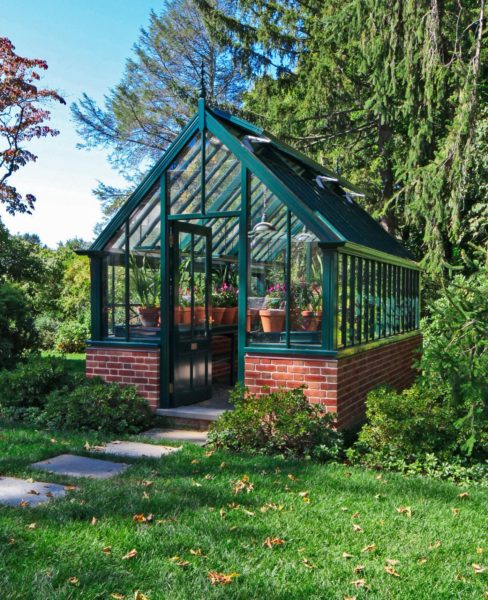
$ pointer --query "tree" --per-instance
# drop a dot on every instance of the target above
(22, 119)
(392, 89)
(158, 93)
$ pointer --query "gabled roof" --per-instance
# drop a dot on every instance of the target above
(322, 200)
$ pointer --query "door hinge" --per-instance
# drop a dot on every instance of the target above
(170, 388)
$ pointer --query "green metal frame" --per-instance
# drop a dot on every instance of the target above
(374, 265)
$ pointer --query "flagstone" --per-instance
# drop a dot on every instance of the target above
(24, 492)
(136, 449)
(178, 435)
(81, 466)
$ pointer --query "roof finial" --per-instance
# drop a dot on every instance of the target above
(203, 89)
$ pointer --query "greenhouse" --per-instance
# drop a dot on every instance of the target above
(240, 259)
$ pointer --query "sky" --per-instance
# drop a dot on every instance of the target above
(86, 44)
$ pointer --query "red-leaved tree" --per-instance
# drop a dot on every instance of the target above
(21, 119)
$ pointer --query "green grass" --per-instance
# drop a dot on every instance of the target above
(76, 360)
(195, 508)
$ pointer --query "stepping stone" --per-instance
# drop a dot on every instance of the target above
(136, 449)
(178, 435)
(80, 466)
(19, 492)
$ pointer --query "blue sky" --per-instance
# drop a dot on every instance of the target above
(85, 44)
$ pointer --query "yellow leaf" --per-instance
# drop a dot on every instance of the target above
(147, 483)
(141, 518)
(182, 563)
(107, 550)
(405, 510)
(209, 453)
(346, 597)
(436, 544)
(391, 571)
(308, 564)
(131, 554)
(358, 568)
(271, 506)
(292, 477)
(422, 561)
(32, 526)
(24, 503)
(455, 511)
(392, 561)
(221, 578)
(357, 528)
(344, 508)
(356, 515)
(73, 580)
(303, 494)
(269, 542)
(70, 488)
(116, 596)
(478, 569)
(145, 495)
(11, 540)
(222, 513)
(197, 552)
(94, 521)
(346, 555)
(140, 596)
(464, 495)
(479, 550)
(222, 465)
(359, 583)
(242, 484)
(369, 548)
(195, 461)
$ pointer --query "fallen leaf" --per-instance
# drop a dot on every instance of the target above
(292, 477)
(308, 564)
(455, 511)
(33, 493)
(303, 494)
(147, 483)
(346, 555)
(53, 440)
(195, 461)
(434, 545)
(356, 515)
(94, 521)
(222, 513)
(271, 506)
(221, 578)
(242, 484)
(197, 552)
(73, 580)
(357, 528)
(87, 446)
(344, 508)
(269, 542)
(49, 495)
(478, 569)
(182, 563)
(141, 518)
(348, 474)
(358, 568)
(145, 495)
(464, 495)
(405, 510)
(422, 561)
(391, 571)
(32, 526)
(107, 550)
(248, 512)
(479, 550)
(24, 503)
(346, 597)
(140, 596)
(116, 596)
(392, 561)
(129, 555)
(222, 465)
(209, 453)
(369, 548)
(11, 540)
(359, 583)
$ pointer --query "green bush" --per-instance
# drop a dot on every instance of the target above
(17, 332)
(72, 336)
(29, 384)
(47, 328)
(97, 406)
(282, 422)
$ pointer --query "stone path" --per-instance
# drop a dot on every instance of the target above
(178, 435)
(21, 492)
(80, 466)
(136, 449)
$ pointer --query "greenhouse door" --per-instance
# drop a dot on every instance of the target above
(191, 269)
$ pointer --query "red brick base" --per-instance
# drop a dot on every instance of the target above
(139, 367)
(341, 384)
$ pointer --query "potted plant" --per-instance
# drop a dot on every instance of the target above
(199, 299)
(146, 282)
(229, 301)
(273, 316)
(317, 305)
(302, 307)
(218, 307)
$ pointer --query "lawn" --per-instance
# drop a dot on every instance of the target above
(282, 526)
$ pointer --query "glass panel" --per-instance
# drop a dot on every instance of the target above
(184, 179)
(222, 177)
(306, 286)
(144, 294)
(145, 222)
(267, 249)
(114, 296)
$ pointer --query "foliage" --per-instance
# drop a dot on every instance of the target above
(71, 336)
(47, 328)
(455, 352)
(394, 91)
(146, 281)
(97, 406)
(22, 119)
(27, 387)
(282, 422)
(17, 332)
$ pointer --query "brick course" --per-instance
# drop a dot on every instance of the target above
(341, 384)
(127, 366)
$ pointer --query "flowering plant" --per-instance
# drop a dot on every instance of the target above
(276, 295)
(228, 295)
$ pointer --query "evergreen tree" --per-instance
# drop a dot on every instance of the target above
(391, 90)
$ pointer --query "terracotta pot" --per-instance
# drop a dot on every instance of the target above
(309, 322)
(294, 319)
(185, 315)
(218, 315)
(149, 316)
(199, 315)
(272, 319)
(178, 315)
(230, 315)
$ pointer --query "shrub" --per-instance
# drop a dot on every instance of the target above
(28, 385)
(47, 328)
(282, 422)
(17, 331)
(97, 406)
(72, 336)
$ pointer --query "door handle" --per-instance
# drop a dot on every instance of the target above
(194, 346)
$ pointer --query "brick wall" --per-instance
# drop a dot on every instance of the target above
(139, 367)
(340, 384)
